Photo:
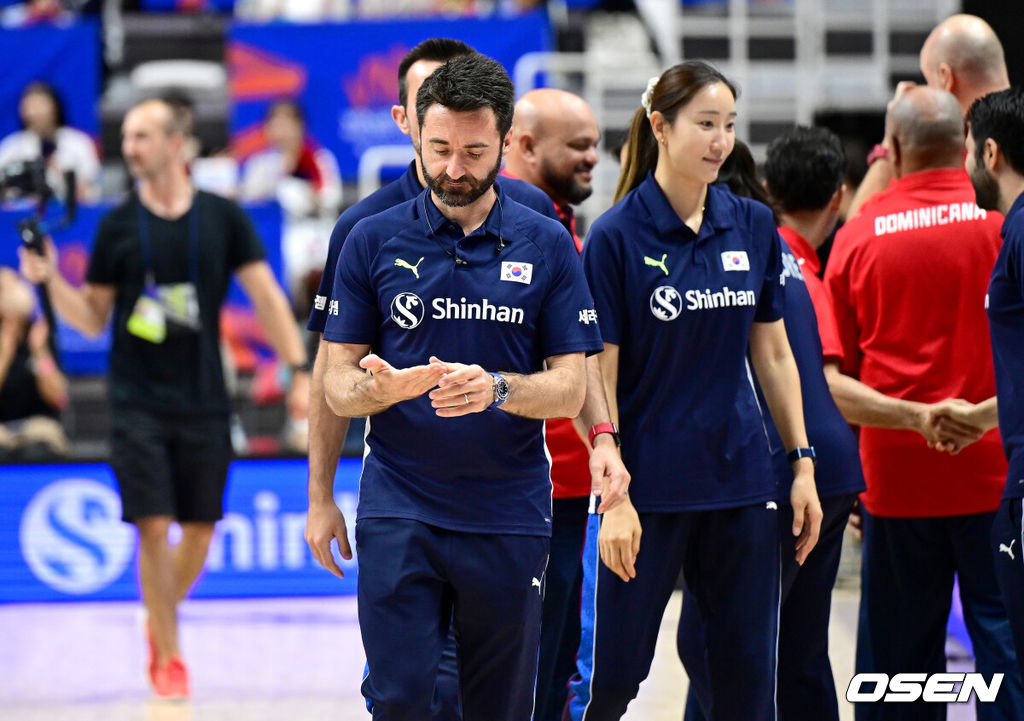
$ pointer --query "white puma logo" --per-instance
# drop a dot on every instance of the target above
(536, 582)
(1008, 550)
(772, 506)
(414, 268)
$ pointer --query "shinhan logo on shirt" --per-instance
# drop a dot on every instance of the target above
(697, 300)
(517, 272)
(666, 303)
(407, 310)
(735, 260)
(447, 309)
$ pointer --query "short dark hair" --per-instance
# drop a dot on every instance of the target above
(437, 50)
(466, 83)
(1000, 116)
(803, 169)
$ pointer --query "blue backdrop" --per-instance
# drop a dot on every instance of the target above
(67, 58)
(345, 76)
(62, 538)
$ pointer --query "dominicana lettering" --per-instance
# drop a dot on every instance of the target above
(697, 300)
(928, 217)
(447, 309)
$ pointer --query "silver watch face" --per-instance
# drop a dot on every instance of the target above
(500, 389)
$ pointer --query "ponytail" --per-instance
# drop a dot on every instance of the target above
(641, 154)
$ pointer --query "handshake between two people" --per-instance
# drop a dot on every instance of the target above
(953, 424)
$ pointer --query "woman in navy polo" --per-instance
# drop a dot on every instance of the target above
(686, 280)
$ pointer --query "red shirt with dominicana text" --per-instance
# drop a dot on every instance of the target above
(570, 457)
(908, 277)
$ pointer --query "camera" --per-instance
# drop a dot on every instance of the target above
(27, 179)
(24, 179)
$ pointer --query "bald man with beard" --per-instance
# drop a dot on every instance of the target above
(962, 56)
(554, 147)
(908, 278)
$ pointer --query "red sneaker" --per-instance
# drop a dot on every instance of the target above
(170, 682)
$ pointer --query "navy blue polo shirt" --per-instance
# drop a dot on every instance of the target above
(838, 469)
(398, 191)
(1005, 303)
(680, 307)
(399, 289)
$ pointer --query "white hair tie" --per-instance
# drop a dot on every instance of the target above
(645, 99)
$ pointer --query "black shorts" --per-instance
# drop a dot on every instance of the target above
(170, 466)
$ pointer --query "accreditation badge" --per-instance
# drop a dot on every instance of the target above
(147, 320)
(180, 303)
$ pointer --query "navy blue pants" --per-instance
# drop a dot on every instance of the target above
(906, 592)
(1007, 544)
(560, 619)
(806, 688)
(416, 581)
(559, 626)
(730, 560)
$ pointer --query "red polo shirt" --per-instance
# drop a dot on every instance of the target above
(810, 264)
(907, 277)
(570, 456)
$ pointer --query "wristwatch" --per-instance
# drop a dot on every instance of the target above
(600, 428)
(804, 452)
(501, 390)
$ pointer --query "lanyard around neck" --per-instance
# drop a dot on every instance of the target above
(193, 243)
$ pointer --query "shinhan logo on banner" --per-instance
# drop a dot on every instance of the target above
(72, 536)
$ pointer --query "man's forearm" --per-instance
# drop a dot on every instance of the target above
(73, 307)
(275, 317)
(595, 404)
(862, 405)
(350, 393)
(553, 393)
(326, 434)
(986, 414)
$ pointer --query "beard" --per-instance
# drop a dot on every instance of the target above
(459, 198)
(566, 186)
(986, 189)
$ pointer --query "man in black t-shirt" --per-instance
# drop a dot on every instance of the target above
(162, 262)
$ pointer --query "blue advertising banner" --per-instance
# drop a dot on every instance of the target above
(62, 538)
(81, 355)
(68, 58)
(345, 76)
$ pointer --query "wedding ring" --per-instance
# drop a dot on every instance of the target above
(466, 396)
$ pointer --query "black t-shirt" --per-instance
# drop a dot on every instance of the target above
(182, 375)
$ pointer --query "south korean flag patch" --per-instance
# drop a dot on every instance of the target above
(517, 272)
(735, 260)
